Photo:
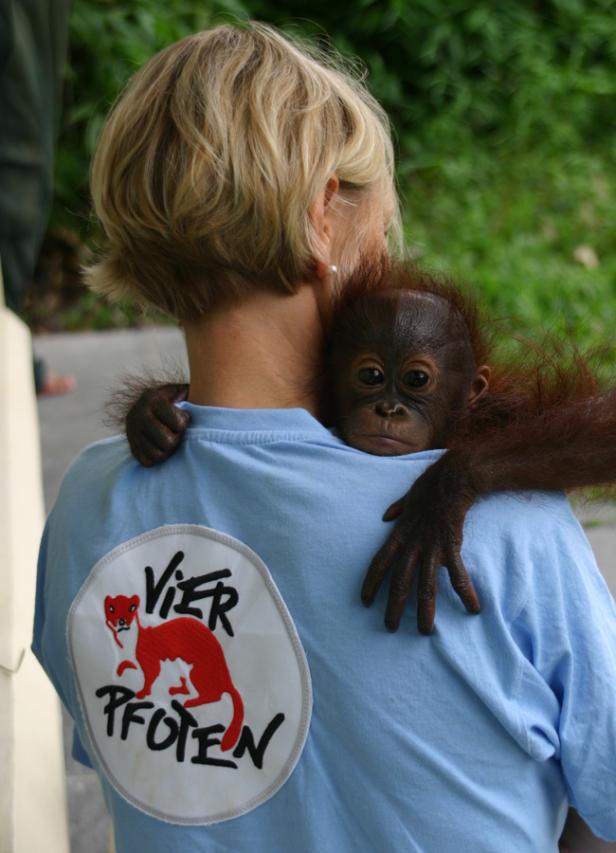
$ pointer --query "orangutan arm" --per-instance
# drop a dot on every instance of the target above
(566, 446)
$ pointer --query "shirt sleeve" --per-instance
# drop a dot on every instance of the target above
(38, 643)
(39, 603)
(78, 751)
(568, 627)
(40, 616)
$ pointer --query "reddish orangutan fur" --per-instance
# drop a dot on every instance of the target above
(548, 420)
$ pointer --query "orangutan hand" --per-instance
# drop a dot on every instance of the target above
(427, 534)
(155, 426)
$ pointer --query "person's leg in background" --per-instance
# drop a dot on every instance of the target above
(33, 46)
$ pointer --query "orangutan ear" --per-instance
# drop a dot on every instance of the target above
(480, 386)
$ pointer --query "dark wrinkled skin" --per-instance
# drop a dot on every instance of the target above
(399, 335)
(154, 425)
(427, 535)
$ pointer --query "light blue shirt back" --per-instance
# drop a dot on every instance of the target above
(476, 738)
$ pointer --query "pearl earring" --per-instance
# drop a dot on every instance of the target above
(333, 269)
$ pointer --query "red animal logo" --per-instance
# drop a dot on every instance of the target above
(185, 638)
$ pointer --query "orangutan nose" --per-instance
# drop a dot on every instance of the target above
(389, 408)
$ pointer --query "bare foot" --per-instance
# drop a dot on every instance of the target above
(56, 383)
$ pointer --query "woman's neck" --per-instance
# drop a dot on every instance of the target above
(264, 353)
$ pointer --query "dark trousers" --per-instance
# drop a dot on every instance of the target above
(33, 45)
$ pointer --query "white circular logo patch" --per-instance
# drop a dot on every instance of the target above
(193, 683)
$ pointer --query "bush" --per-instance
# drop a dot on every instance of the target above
(504, 115)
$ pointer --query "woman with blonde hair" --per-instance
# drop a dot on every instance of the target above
(201, 620)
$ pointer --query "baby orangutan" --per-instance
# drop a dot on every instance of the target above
(404, 371)
(411, 365)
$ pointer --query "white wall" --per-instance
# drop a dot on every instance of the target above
(32, 794)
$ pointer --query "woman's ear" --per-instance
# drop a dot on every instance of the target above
(321, 216)
(481, 384)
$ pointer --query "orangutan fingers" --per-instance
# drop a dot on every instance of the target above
(462, 583)
(168, 414)
(147, 453)
(400, 587)
(179, 391)
(426, 594)
(378, 568)
(392, 512)
(156, 434)
(141, 458)
(163, 406)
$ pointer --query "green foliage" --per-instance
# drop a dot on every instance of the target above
(520, 230)
(109, 41)
(504, 117)
(451, 71)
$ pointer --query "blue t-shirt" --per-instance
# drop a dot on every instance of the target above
(231, 575)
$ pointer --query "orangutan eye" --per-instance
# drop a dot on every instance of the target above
(132, 608)
(111, 608)
(416, 379)
(370, 376)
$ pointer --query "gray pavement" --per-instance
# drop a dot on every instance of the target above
(100, 360)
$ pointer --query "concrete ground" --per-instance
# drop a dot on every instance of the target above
(100, 360)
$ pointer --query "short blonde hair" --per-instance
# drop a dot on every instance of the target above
(210, 159)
